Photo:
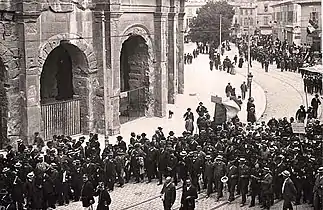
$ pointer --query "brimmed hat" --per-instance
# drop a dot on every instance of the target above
(219, 157)
(242, 159)
(18, 165)
(320, 170)
(3, 192)
(183, 153)
(286, 173)
(30, 175)
(119, 137)
(6, 169)
(160, 128)
(53, 164)
(208, 157)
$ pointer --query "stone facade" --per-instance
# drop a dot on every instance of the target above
(93, 33)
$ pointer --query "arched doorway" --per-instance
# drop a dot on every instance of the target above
(134, 78)
(3, 106)
(64, 91)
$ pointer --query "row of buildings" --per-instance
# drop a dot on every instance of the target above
(297, 21)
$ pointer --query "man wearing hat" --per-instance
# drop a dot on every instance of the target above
(87, 193)
(318, 190)
(266, 188)
(315, 103)
(219, 172)
(208, 175)
(244, 180)
(233, 176)
(201, 109)
(189, 121)
(168, 193)
(288, 191)
(121, 144)
(301, 114)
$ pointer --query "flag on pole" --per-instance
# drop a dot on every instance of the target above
(232, 107)
(311, 26)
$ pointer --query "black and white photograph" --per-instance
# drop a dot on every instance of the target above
(161, 105)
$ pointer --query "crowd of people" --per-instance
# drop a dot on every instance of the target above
(256, 158)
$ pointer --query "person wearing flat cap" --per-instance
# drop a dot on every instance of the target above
(288, 191)
(318, 190)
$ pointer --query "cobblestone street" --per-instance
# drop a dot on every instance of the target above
(283, 96)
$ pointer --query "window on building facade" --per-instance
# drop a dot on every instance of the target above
(241, 11)
(266, 7)
(314, 16)
(246, 12)
(251, 21)
(265, 20)
(245, 21)
(290, 16)
(251, 12)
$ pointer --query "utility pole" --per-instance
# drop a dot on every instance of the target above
(248, 46)
(220, 31)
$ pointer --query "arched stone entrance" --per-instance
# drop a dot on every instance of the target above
(134, 78)
(65, 91)
(3, 106)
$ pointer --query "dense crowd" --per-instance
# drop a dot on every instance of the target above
(40, 176)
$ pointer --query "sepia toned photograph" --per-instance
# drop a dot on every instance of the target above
(161, 105)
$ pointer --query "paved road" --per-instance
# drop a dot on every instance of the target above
(284, 90)
(284, 95)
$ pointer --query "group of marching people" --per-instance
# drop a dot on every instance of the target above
(253, 159)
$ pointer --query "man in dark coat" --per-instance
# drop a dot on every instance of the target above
(188, 196)
(104, 197)
(301, 114)
(288, 190)
(315, 104)
(208, 175)
(168, 194)
(266, 188)
(87, 192)
(318, 190)
(121, 144)
(244, 180)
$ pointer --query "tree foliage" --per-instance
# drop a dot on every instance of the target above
(206, 26)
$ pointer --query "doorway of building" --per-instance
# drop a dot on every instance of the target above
(134, 80)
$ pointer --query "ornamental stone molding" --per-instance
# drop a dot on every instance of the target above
(73, 39)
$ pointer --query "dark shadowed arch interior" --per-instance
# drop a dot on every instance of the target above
(134, 79)
(3, 106)
(64, 91)
(56, 82)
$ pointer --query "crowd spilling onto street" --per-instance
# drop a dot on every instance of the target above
(256, 159)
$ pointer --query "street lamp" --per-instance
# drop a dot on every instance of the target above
(249, 80)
